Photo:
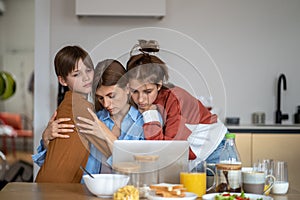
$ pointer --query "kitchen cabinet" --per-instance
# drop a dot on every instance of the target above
(244, 146)
(279, 146)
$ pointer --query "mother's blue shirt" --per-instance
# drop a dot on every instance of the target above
(131, 129)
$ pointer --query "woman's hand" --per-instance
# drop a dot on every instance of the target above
(54, 128)
(97, 128)
(92, 127)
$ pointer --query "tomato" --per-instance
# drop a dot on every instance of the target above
(228, 196)
(225, 195)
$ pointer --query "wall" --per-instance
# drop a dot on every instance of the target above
(247, 44)
(17, 54)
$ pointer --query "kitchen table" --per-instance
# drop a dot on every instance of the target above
(71, 191)
(45, 191)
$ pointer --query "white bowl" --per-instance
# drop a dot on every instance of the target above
(105, 185)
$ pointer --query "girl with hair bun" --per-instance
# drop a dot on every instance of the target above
(184, 116)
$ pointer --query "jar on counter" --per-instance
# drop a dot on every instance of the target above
(228, 170)
(148, 169)
(228, 177)
(130, 169)
(143, 172)
(258, 118)
(148, 174)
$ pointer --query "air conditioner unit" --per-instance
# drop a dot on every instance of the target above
(143, 8)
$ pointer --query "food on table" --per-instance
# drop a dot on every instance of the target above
(228, 196)
(128, 192)
(169, 190)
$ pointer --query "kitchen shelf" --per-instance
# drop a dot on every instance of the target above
(268, 128)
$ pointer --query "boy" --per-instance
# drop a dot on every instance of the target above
(74, 69)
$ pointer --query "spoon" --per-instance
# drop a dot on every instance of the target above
(86, 171)
(226, 177)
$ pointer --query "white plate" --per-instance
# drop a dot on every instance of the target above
(251, 196)
(188, 196)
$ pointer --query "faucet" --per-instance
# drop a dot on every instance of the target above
(278, 115)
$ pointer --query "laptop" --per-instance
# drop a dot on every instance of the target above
(172, 155)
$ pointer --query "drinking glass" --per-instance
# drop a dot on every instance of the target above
(195, 179)
(281, 184)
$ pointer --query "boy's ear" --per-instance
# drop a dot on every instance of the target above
(62, 81)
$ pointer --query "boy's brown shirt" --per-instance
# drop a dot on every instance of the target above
(65, 156)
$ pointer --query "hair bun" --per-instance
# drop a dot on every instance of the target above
(149, 45)
(145, 46)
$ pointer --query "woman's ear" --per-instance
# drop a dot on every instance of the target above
(62, 81)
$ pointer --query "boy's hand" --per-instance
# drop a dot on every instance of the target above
(55, 128)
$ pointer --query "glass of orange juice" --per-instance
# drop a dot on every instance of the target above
(194, 180)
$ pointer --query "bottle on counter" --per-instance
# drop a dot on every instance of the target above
(228, 170)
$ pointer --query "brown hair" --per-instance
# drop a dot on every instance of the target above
(148, 68)
(108, 72)
(66, 60)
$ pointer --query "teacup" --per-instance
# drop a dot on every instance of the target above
(266, 166)
(254, 182)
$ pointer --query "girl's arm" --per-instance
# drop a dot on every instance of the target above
(174, 127)
(153, 124)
